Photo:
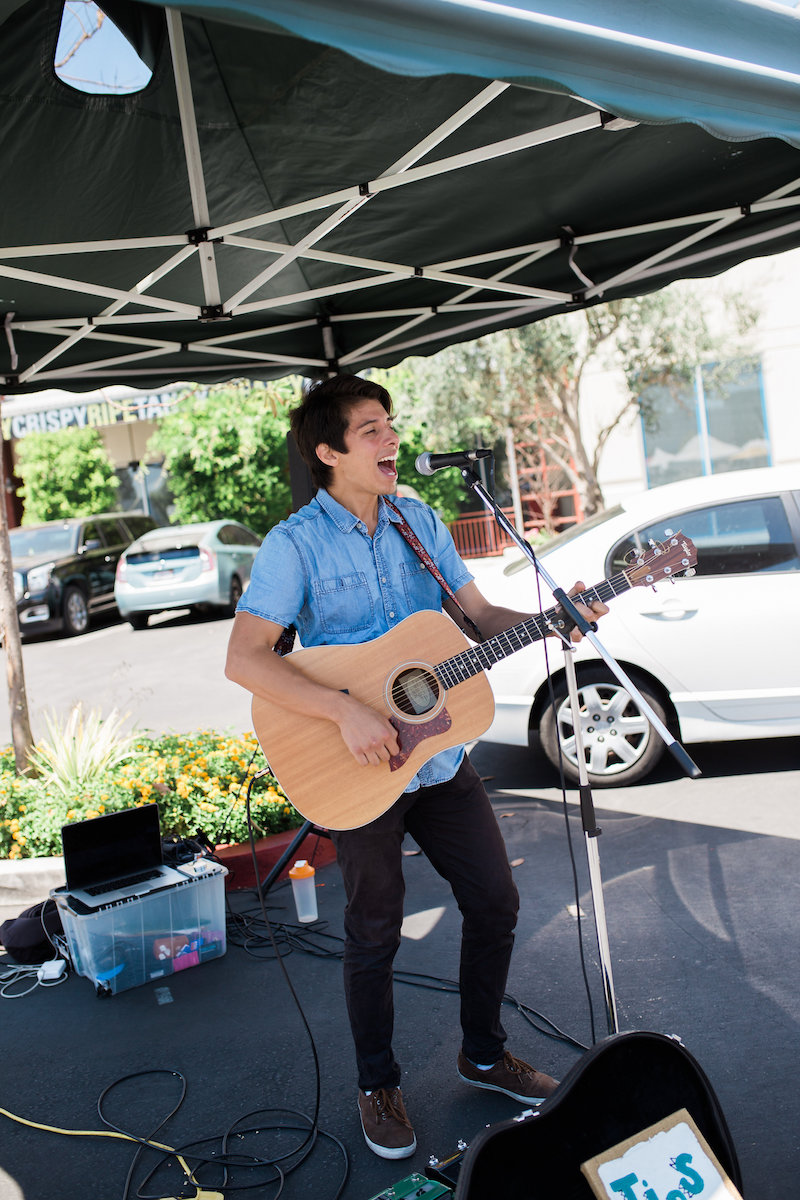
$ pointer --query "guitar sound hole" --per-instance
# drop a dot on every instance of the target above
(415, 691)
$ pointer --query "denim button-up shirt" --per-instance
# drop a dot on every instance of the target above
(321, 571)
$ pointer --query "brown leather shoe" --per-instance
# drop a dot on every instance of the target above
(510, 1075)
(386, 1126)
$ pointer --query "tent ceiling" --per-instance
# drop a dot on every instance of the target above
(271, 204)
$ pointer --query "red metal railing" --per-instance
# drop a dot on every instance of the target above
(477, 534)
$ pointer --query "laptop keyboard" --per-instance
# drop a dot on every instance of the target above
(99, 889)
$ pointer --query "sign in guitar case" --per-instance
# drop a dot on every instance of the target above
(623, 1085)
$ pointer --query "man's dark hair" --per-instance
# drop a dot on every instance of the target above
(323, 415)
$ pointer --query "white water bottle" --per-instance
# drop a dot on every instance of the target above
(305, 892)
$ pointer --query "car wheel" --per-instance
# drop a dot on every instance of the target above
(75, 611)
(620, 746)
(138, 620)
(235, 595)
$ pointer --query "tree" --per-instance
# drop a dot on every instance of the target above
(65, 474)
(21, 735)
(225, 452)
(531, 379)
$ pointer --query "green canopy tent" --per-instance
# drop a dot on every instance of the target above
(307, 185)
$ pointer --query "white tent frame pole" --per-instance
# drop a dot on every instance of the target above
(167, 307)
(92, 247)
(668, 253)
(86, 329)
(402, 165)
(778, 199)
(688, 260)
(509, 270)
(194, 162)
(383, 183)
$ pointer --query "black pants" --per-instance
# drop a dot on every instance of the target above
(453, 824)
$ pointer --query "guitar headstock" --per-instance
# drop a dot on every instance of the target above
(661, 560)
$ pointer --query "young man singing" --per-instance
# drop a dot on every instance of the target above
(342, 573)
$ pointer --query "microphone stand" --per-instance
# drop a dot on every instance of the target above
(590, 827)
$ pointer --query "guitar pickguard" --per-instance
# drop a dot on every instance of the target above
(411, 734)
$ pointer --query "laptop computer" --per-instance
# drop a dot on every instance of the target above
(116, 857)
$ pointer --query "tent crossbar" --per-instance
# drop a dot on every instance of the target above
(425, 310)
(756, 239)
(143, 243)
(101, 364)
(132, 372)
(444, 130)
(291, 253)
(194, 161)
(533, 250)
(465, 327)
(366, 347)
(339, 289)
(396, 277)
(86, 329)
(410, 273)
(457, 300)
(442, 166)
(434, 271)
(717, 226)
(60, 283)
(256, 355)
(264, 331)
(666, 253)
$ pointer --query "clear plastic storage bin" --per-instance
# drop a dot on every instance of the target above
(135, 941)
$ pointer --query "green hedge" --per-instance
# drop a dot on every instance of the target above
(199, 781)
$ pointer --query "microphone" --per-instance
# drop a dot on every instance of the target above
(427, 463)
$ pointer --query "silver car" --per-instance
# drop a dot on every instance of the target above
(206, 565)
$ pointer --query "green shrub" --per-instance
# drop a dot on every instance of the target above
(82, 749)
(65, 474)
(199, 781)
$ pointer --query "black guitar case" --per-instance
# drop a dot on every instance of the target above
(621, 1086)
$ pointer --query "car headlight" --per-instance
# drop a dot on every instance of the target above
(39, 577)
(18, 588)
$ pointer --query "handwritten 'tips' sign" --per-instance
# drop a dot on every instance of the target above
(668, 1161)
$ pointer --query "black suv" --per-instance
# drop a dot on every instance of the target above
(64, 570)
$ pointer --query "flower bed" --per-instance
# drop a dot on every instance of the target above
(199, 781)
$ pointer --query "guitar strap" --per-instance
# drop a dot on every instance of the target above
(422, 554)
(285, 642)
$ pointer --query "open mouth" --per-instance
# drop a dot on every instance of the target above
(388, 466)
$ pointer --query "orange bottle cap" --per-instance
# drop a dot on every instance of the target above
(301, 870)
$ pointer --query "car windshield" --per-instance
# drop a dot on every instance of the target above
(568, 535)
(48, 539)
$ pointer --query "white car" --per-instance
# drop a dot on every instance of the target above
(716, 654)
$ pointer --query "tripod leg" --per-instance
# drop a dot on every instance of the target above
(591, 834)
(303, 832)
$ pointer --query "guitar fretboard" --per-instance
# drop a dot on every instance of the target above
(479, 658)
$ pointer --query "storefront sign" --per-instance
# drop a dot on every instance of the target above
(88, 414)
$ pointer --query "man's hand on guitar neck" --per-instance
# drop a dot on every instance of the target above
(590, 612)
(492, 619)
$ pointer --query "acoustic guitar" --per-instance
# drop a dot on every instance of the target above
(428, 681)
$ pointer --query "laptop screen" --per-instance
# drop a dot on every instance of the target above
(112, 846)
